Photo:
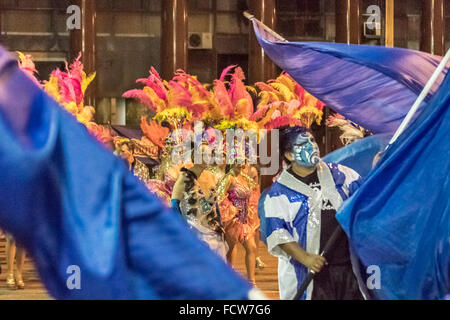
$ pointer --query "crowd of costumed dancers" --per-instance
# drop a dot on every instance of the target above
(219, 201)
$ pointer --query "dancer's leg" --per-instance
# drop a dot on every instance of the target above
(231, 254)
(10, 256)
(250, 258)
(259, 263)
(20, 261)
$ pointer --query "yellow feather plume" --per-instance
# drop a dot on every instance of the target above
(87, 80)
(51, 87)
(267, 117)
(284, 91)
(87, 115)
(266, 98)
(71, 107)
(285, 80)
(21, 56)
(251, 89)
(157, 101)
(308, 114)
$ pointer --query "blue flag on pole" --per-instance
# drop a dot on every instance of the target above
(399, 219)
(89, 224)
(372, 86)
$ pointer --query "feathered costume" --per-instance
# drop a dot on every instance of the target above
(284, 102)
(351, 132)
(200, 210)
(176, 103)
(237, 196)
(140, 170)
(68, 88)
(238, 204)
(227, 104)
(27, 65)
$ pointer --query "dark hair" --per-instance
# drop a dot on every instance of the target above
(288, 136)
(129, 144)
(166, 124)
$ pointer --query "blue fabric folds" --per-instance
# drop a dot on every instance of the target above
(399, 219)
(71, 202)
(359, 155)
(371, 85)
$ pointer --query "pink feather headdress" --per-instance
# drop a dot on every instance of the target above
(179, 101)
(68, 88)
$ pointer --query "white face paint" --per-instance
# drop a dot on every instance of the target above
(306, 150)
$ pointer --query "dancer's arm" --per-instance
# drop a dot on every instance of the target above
(179, 187)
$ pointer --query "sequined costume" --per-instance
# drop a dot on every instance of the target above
(162, 186)
(239, 206)
(200, 210)
(141, 171)
(218, 172)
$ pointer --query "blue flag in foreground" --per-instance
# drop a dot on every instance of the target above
(372, 86)
(399, 219)
(83, 216)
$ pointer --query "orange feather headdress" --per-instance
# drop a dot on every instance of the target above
(284, 102)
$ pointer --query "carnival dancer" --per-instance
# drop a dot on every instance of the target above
(167, 172)
(126, 150)
(238, 194)
(176, 104)
(283, 102)
(15, 255)
(194, 198)
(300, 210)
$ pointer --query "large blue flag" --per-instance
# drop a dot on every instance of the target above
(372, 86)
(399, 219)
(94, 231)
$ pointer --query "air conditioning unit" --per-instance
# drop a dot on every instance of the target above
(200, 40)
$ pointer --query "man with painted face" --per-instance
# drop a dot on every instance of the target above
(300, 210)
